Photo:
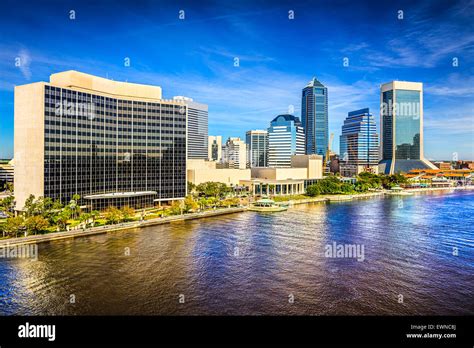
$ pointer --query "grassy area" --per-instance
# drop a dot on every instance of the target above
(289, 198)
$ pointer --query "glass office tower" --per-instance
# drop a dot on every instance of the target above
(314, 117)
(402, 127)
(285, 139)
(257, 148)
(110, 149)
(197, 129)
(359, 147)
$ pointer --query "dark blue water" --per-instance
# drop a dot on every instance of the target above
(251, 263)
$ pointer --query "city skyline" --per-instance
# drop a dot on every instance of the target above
(255, 68)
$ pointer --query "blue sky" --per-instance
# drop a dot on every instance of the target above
(277, 57)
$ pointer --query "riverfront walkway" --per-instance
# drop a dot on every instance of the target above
(175, 218)
(117, 227)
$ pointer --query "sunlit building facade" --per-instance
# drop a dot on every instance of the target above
(257, 148)
(285, 139)
(401, 121)
(359, 146)
(112, 143)
(197, 128)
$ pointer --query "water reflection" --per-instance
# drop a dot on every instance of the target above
(254, 263)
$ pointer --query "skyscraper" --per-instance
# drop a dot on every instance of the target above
(285, 139)
(215, 148)
(359, 146)
(401, 118)
(113, 143)
(197, 131)
(314, 117)
(234, 153)
(257, 148)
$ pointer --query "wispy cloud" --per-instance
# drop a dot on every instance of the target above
(23, 61)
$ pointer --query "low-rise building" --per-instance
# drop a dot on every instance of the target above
(6, 172)
(200, 171)
(234, 154)
(305, 170)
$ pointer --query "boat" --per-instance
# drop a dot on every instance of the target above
(267, 205)
(398, 191)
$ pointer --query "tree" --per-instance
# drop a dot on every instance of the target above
(112, 215)
(8, 205)
(191, 187)
(212, 189)
(84, 218)
(203, 203)
(8, 186)
(94, 215)
(313, 190)
(176, 208)
(30, 206)
(127, 213)
(74, 205)
(35, 224)
(190, 204)
(62, 218)
(13, 225)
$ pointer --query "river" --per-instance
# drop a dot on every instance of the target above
(418, 258)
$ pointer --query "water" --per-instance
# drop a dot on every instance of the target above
(251, 263)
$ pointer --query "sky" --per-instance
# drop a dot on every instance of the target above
(195, 56)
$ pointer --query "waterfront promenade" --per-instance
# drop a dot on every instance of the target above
(191, 216)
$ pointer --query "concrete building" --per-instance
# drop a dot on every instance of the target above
(285, 139)
(234, 154)
(200, 171)
(6, 172)
(314, 117)
(359, 146)
(257, 148)
(401, 121)
(111, 142)
(215, 148)
(197, 128)
(305, 170)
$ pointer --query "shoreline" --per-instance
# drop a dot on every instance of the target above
(12, 242)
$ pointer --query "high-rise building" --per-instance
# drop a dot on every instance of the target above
(314, 117)
(214, 148)
(234, 153)
(285, 139)
(359, 146)
(257, 148)
(113, 143)
(197, 129)
(401, 121)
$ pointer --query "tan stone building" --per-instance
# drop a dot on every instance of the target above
(199, 171)
(113, 143)
(305, 170)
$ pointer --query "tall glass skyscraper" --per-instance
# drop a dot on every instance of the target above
(285, 139)
(314, 116)
(401, 116)
(359, 147)
(257, 148)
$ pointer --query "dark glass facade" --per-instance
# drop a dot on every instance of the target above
(407, 134)
(314, 116)
(387, 125)
(96, 145)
